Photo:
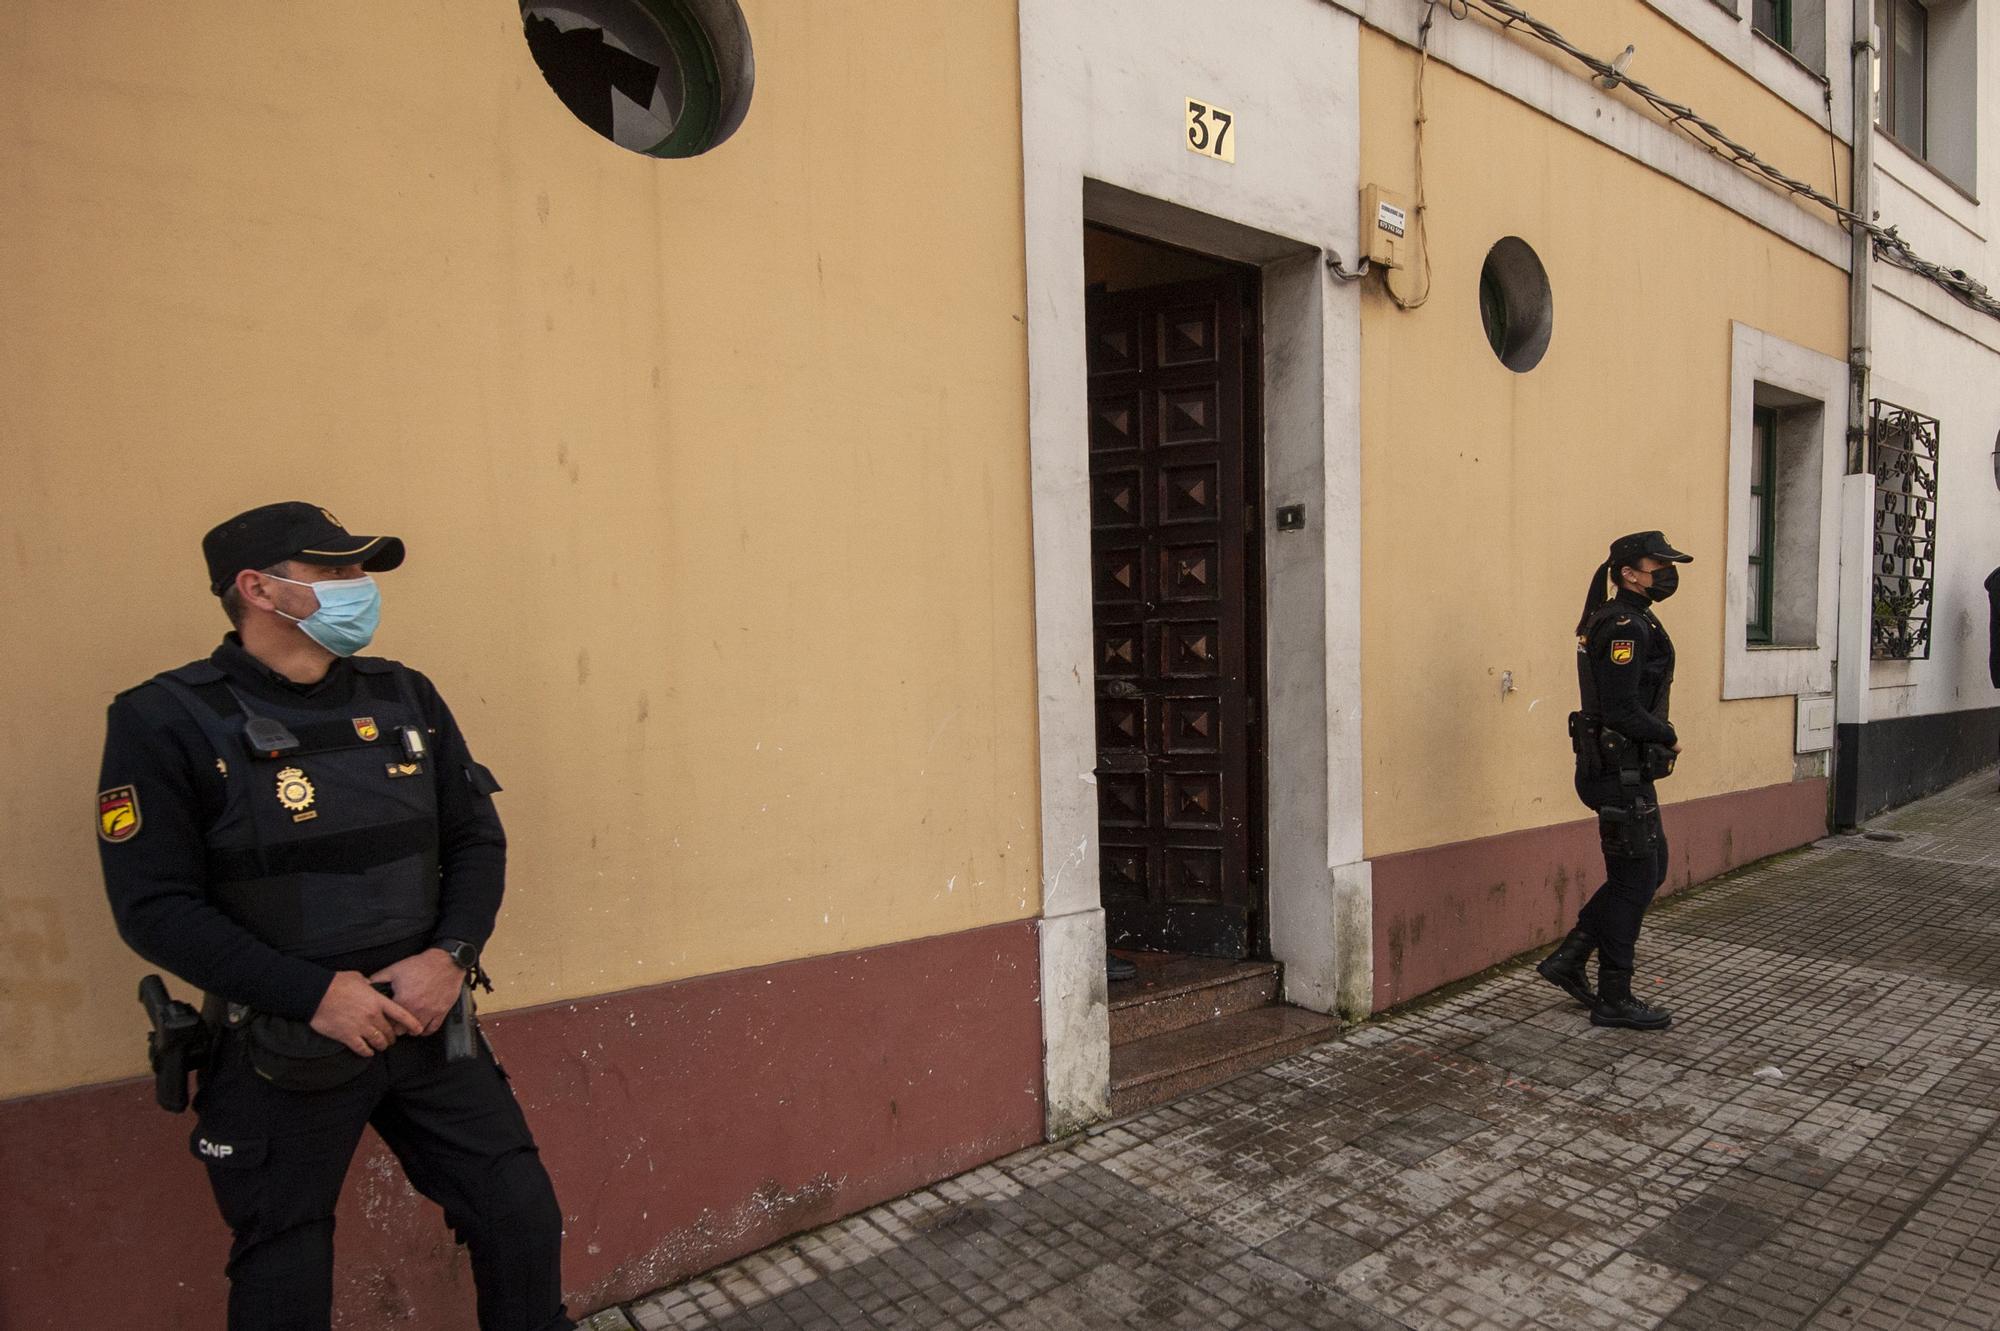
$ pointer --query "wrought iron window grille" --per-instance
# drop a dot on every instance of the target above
(1903, 445)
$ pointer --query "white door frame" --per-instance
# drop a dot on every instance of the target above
(1101, 87)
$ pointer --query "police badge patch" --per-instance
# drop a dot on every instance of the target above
(366, 729)
(295, 792)
(1621, 651)
(118, 813)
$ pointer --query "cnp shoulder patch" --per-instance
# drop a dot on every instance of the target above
(118, 817)
(1621, 651)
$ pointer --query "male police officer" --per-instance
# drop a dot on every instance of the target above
(1623, 743)
(302, 833)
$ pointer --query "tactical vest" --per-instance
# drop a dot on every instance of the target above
(330, 845)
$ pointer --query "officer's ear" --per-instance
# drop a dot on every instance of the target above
(252, 589)
(249, 589)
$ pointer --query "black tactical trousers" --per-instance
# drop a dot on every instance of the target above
(276, 1160)
(1613, 914)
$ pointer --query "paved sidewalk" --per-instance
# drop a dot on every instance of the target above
(1813, 1145)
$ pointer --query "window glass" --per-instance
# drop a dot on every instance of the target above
(1880, 71)
(1763, 523)
(1773, 18)
(1908, 88)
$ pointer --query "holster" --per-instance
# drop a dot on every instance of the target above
(1583, 742)
(179, 1045)
(1630, 831)
(1656, 761)
(1617, 754)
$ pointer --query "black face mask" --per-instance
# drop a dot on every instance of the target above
(1666, 581)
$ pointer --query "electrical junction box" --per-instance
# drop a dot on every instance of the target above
(1386, 222)
(1815, 723)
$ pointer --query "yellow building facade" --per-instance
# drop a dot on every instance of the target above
(712, 477)
(775, 536)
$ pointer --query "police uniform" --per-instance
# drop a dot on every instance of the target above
(258, 836)
(1624, 741)
(1993, 627)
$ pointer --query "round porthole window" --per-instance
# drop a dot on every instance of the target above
(1515, 305)
(668, 78)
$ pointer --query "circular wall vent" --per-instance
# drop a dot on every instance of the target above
(1515, 304)
(668, 78)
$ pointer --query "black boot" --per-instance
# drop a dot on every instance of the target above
(1566, 967)
(1617, 1007)
(1116, 968)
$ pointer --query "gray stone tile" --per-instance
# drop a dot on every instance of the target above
(1490, 1160)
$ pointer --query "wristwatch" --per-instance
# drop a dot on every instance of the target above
(463, 954)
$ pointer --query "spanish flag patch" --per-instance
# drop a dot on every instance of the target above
(118, 813)
(1621, 651)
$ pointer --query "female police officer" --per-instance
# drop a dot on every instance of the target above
(1623, 742)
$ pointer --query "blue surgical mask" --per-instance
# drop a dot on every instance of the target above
(349, 610)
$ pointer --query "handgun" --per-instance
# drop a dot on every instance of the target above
(461, 1038)
(178, 1044)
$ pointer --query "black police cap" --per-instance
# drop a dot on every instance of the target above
(275, 533)
(1627, 551)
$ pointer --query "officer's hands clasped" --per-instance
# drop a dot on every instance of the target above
(362, 1017)
(428, 986)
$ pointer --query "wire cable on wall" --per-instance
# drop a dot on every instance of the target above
(1421, 222)
(1889, 246)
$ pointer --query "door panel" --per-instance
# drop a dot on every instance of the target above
(1171, 522)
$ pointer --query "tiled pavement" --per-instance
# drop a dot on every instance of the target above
(1813, 1145)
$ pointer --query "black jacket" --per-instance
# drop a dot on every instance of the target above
(1993, 627)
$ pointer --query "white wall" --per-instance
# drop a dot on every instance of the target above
(1934, 369)
(1935, 355)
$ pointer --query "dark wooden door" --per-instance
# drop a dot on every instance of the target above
(1171, 524)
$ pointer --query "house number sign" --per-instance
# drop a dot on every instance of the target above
(1211, 131)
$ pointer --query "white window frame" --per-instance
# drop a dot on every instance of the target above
(1757, 357)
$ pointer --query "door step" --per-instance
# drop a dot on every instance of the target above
(1189, 1023)
(1173, 992)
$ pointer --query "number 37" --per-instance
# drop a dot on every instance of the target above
(1208, 131)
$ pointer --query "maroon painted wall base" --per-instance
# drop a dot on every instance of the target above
(683, 1125)
(1447, 912)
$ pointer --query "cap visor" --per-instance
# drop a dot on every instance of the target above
(377, 554)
